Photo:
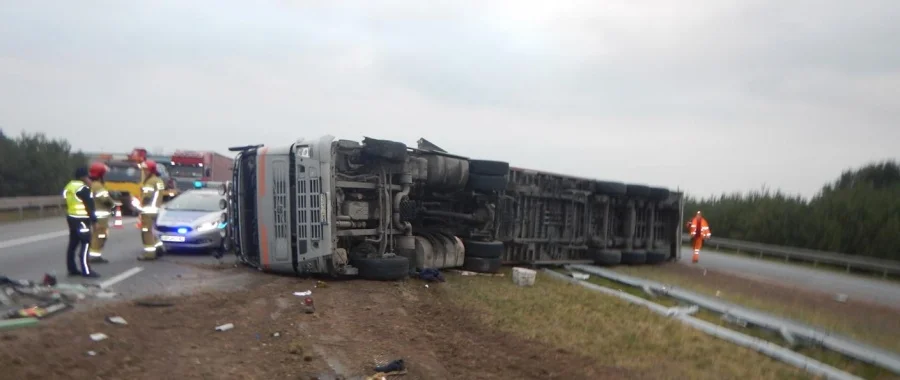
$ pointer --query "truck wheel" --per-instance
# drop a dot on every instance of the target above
(657, 257)
(485, 167)
(487, 183)
(607, 257)
(484, 249)
(610, 188)
(382, 268)
(637, 190)
(634, 257)
(659, 193)
(478, 264)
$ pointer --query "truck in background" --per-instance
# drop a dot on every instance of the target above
(190, 167)
(382, 210)
(126, 177)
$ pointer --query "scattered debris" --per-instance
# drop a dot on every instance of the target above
(28, 299)
(11, 324)
(96, 337)
(523, 276)
(303, 294)
(840, 297)
(225, 327)
(92, 353)
(276, 334)
(396, 367)
(321, 284)
(580, 276)
(431, 275)
(117, 320)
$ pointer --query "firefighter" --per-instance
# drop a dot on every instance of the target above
(80, 216)
(151, 200)
(699, 230)
(104, 205)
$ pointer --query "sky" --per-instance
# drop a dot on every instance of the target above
(707, 96)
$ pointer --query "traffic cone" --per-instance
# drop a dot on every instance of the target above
(117, 223)
(696, 257)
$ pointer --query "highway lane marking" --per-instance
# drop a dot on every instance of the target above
(47, 236)
(120, 277)
(33, 239)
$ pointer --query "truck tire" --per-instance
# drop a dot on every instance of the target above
(657, 257)
(382, 268)
(484, 249)
(480, 265)
(487, 183)
(634, 257)
(485, 167)
(607, 257)
(610, 188)
(659, 193)
(637, 190)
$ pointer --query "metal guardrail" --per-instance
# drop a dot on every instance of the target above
(45, 205)
(869, 264)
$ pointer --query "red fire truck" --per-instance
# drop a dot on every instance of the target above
(192, 167)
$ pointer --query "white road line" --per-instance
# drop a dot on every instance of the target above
(120, 277)
(33, 239)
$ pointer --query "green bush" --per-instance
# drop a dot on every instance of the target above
(859, 213)
(33, 165)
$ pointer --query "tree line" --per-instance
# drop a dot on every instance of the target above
(34, 165)
(858, 214)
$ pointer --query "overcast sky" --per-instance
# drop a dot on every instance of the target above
(707, 95)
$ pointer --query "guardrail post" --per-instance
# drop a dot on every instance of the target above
(21, 212)
(40, 211)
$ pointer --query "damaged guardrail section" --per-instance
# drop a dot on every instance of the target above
(789, 329)
(767, 348)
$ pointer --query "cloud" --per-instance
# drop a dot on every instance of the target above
(758, 91)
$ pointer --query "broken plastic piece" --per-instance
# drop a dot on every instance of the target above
(96, 337)
(225, 327)
(117, 320)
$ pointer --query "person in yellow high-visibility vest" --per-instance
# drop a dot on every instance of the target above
(104, 205)
(151, 200)
(80, 216)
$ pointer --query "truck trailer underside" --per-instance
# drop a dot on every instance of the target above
(382, 210)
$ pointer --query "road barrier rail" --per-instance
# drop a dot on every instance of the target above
(843, 260)
(22, 206)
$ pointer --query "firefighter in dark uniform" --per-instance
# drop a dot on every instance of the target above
(151, 200)
(80, 215)
(104, 205)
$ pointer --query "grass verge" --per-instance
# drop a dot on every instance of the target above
(831, 358)
(608, 330)
(871, 324)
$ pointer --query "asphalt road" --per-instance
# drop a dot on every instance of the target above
(855, 287)
(30, 249)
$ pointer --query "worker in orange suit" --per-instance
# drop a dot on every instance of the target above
(699, 231)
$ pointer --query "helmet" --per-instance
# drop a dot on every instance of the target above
(98, 170)
(151, 166)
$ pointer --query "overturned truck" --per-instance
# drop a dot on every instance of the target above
(381, 210)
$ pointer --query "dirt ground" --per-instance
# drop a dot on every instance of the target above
(875, 324)
(357, 325)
